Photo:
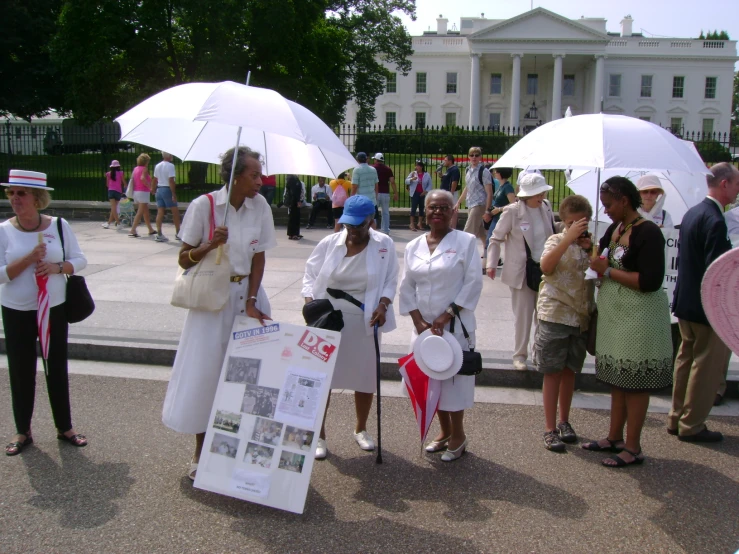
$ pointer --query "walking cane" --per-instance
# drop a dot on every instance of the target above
(379, 402)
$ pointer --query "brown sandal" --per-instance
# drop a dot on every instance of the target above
(16, 447)
(77, 439)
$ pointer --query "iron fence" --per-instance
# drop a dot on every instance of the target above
(76, 158)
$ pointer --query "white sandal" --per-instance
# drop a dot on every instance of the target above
(438, 446)
(193, 470)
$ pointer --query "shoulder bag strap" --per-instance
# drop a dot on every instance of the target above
(455, 308)
(61, 237)
(336, 293)
(212, 228)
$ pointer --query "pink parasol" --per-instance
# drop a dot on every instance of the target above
(42, 313)
(423, 391)
(720, 297)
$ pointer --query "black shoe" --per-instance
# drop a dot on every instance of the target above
(553, 442)
(704, 436)
(309, 227)
(719, 400)
(566, 432)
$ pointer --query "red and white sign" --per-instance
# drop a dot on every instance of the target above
(320, 348)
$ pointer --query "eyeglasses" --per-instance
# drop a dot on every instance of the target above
(348, 226)
(440, 209)
(651, 191)
(10, 193)
(475, 155)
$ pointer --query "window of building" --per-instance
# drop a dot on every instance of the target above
(645, 118)
(420, 120)
(568, 85)
(614, 85)
(391, 119)
(532, 84)
(678, 86)
(495, 121)
(451, 83)
(391, 83)
(496, 83)
(450, 119)
(420, 83)
(676, 124)
(710, 87)
(708, 126)
(646, 86)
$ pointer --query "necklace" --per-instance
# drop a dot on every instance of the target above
(18, 221)
(621, 233)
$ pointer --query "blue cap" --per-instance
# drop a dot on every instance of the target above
(356, 210)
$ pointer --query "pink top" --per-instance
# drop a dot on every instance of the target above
(115, 184)
(141, 184)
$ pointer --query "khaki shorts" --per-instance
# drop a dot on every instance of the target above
(474, 223)
(558, 346)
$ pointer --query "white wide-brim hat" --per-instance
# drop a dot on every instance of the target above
(30, 179)
(439, 357)
(649, 182)
(532, 184)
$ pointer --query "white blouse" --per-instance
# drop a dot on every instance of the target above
(453, 273)
(21, 293)
(251, 228)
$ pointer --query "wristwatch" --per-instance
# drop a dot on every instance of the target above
(607, 272)
(61, 267)
(386, 304)
(450, 311)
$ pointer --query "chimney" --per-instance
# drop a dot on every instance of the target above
(626, 26)
(441, 25)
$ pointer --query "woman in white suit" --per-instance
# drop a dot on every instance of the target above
(442, 273)
(528, 222)
(361, 262)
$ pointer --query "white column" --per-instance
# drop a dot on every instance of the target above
(516, 91)
(557, 87)
(598, 85)
(475, 90)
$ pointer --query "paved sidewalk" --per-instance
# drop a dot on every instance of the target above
(132, 279)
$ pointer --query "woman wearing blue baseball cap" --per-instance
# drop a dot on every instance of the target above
(362, 263)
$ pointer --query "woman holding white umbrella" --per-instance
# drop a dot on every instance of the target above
(633, 349)
(204, 339)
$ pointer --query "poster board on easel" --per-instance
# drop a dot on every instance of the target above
(266, 417)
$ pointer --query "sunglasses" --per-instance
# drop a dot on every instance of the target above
(475, 155)
(651, 191)
(440, 209)
(20, 193)
(350, 226)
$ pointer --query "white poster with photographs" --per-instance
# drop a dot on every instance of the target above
(274, 386)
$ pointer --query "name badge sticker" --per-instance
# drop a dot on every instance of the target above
(525, 226)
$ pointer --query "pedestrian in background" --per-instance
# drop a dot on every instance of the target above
(703, 357)
(364, 182)
(450, 182)
(320, 194)
(294, 198)
(114, 180)
(269, 185)
(23, 259)
(478, 196)
(419, 184)
(141, 194)
(566, 301)
(339, 197)
(385, 183)
(166, 195)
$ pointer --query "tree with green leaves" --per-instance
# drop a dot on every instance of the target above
(321, 53)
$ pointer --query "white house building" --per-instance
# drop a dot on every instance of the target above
(528, 69)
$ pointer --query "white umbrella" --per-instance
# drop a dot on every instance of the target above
(602, 141)
(201, 121)
(682, 190)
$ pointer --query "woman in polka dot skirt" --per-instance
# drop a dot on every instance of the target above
(633, 349)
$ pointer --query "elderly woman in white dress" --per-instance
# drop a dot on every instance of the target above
(362, 263)
(527, 223)
(443, 274)
(204, 339)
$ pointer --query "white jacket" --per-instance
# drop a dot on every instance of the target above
(382, 272)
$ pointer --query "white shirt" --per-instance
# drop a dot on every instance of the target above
(539, 233)
(163, 171)
(315, 189)
(732, 224)
(453, 273)
(251, 229)
(382, 272)
(21, 293)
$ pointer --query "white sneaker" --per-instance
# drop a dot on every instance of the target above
(520, 365)
(161, 238)
(106, 225)
(321, 449)
(364, 440)
(177, 237)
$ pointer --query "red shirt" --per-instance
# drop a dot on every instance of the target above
(269, 181)
(419, 183)
(383, 177)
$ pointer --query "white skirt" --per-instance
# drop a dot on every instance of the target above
(356, 362)
(197, 365)
(458, 392)
(141, 197)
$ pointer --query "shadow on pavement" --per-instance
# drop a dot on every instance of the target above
(460, 485)
(82, 492)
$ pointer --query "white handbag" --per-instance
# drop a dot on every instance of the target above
(129, 189)
(205, 286)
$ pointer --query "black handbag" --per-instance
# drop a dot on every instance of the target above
(79, 304)
(320, 313)
(471, 360)
(533, 269)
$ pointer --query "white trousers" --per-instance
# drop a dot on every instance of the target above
(523, 302)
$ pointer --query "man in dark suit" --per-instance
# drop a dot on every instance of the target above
(702, 357)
